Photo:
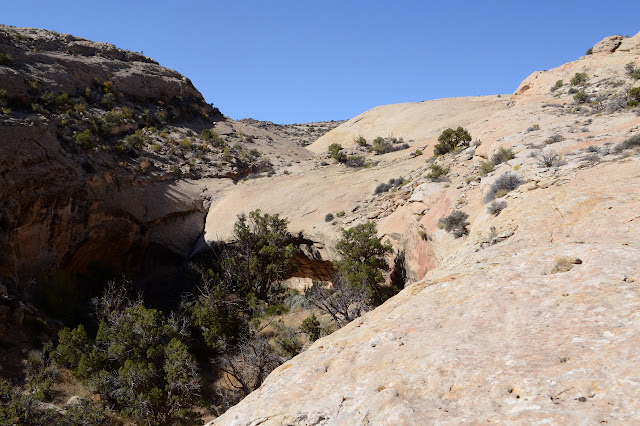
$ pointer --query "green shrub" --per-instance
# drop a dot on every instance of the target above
(341, 213)
(5, 59)
(381, 145)
(579, 79)
(581, 97)
(486, 167)
(558, 85)
(634, 94)
(109, 100)
(137, 362)
(589, 51)
(206, 134)
(363, 261)
(456, 223)
(356, 161)
(632, 142)
(504, 184)
(39, 109)
(85, 139)
(450, 140)
(554, 139)
(264, 255)
(436, 172)
(384, 187)
(360, 141)
(502, 155)
(632, 70)
(311, 326)
(136, 140)
(335, 151)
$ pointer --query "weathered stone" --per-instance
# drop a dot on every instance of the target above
(608, 45)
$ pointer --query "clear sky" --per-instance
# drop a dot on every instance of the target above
(301, 61)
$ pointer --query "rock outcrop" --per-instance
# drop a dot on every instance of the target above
(529, 318)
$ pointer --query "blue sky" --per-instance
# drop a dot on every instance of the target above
(302, 61)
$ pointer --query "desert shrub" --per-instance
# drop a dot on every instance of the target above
(589, 51)
(581, 97)
(486, 167)
(533, 128)
(632, 70)
(396, 181)
(456, 223)
(383, 187)
(85, 139)
(356, 287)
(137, 362)
(632, 142)
(579, 79)
(634, 96)
(592, 148)
(496, 207)
(548, 158)
(554, 139)
(335, 151)
(23, 408)
(356, 161)
(5, 59)
(503, 185)
(450, 140)
(363, 261)
(381, 145)
(328, 217)
(592, 158)
(263, 256)
(502, 155)
(311, 326)
(417, 152)
(341, 213)
(558, 85)
(206, 134)
(136, 140)
(436, 172)
(108, 100)
(360, 141)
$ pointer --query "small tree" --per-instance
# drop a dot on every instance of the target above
(335, 150)
(579, 79)
(263, 254)
(456, 223)
(362, 261)
(451, 139)
(137, 362)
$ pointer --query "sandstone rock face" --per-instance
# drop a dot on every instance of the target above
(491, 329)
(70, 64)
(491, 335)
(65, 208)
(608, 45)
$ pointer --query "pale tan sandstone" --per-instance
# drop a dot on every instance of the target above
(487, 333)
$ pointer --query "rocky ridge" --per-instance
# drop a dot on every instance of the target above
(109, 157)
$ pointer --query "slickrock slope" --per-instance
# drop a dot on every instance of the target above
(524, 122)
(491, 334)
(531, 318)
